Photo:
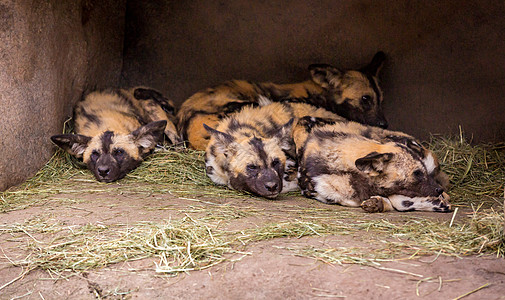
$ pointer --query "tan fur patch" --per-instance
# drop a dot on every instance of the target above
(201, 137)
(111, 113)
(335, 189)
(125, 142)
(354, 85)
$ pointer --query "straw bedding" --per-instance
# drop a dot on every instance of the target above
(477, 175)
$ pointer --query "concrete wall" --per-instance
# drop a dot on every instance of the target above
(446, 62)
(50, 52)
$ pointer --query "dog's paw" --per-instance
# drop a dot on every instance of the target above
(373, 205)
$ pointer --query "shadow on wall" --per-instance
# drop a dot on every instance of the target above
(445, 64)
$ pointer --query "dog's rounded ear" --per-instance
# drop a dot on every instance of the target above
(373, 163)
(325, 75)
(75, 144)
(223, 140)
(148, 136)
(285, 136)
(222, 137)
(374, 67)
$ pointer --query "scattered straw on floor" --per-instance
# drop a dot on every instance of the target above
(193, 243)
(477, 176)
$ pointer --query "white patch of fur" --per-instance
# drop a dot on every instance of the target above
(78, 149)
(429, 163)
(289, 163)
(335, 189)
(264, 101)
(289, 186)
(419, 203)
(146, 142)
(334, 81)
(218, 176)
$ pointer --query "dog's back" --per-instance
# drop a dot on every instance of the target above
(102, 111)
(352, 94)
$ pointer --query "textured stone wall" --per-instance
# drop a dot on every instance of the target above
(50, 52)
(445, 68)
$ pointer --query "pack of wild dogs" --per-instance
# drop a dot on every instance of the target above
(325, 137)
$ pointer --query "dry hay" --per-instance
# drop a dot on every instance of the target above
(166, 171)
(477, 175)
(477, 172)
(198, 243)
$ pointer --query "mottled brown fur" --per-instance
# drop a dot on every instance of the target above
(355, 165)
(410, 143)
(254, 148)
(353, 94)
(116, 129)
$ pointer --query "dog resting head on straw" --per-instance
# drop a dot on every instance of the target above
(355, 165)
(116, 129)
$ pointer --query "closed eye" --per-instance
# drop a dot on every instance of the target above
(94, 155)
(418, 174)
(275, 163)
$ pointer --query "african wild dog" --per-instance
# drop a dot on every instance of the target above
(428, 158)
(355, 165)
(253, 150)
(116, 129)
(352, 94)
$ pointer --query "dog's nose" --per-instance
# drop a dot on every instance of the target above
(271, 186)
(103, 171)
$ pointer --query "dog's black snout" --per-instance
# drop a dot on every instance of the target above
(103, 171)
(271, 186)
